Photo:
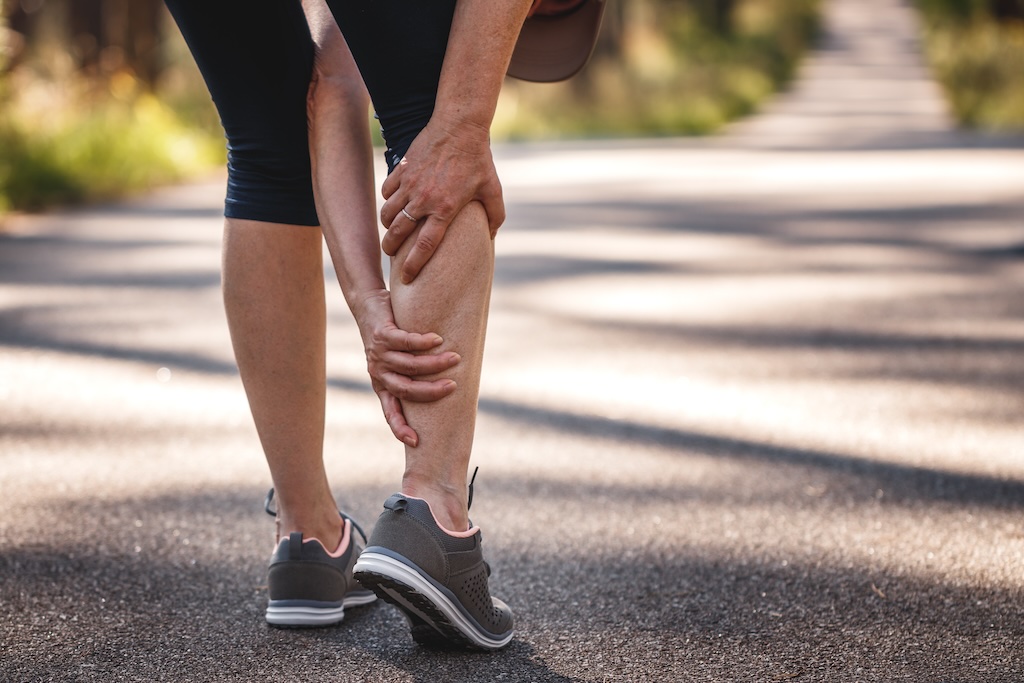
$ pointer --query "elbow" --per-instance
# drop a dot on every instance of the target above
(337, 90)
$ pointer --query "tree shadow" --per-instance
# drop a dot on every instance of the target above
(903, 485)
(911, 226)
(172, 587)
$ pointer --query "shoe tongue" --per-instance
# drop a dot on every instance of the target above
(295, 545)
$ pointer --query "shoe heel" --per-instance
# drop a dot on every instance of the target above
(303, 613)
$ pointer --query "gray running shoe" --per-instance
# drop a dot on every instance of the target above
(308, 585)
(438, 580)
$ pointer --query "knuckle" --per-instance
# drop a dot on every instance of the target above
(426, 243)
(446, 206)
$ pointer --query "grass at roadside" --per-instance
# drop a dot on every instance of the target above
(669, 74)
(103, 151)
(664, 73)
(978, 60)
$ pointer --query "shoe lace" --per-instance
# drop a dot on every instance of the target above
(270, 510)
(472, 479)
(469, 504)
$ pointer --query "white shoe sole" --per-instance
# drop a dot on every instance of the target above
(293, 615)
(398, 572)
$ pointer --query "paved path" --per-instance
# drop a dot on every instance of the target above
(752, 412)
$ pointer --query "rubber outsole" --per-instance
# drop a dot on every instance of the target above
(306, 616)
(434, 620)
(359, 599)
(300, 617)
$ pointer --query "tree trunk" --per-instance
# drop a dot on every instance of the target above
(103, 36)
(145, 24)
(716, 15)
(1007, 9)
(85, 23)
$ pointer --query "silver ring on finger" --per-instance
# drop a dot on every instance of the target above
(409, 216)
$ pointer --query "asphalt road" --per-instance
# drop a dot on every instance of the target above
(752, 411)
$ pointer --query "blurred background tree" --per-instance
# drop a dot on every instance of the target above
(976, 48)
(100, 97)
(100, 36)
(668, 67)
(103, 96)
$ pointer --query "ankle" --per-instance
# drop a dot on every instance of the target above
(329, 535)
(447, 503)
(328, 528)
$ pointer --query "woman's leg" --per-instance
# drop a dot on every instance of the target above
(273, 287)
(399, 46)
(451, 295)
(256, 57)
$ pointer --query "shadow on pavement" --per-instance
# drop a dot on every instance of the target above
(911, 225)
(155, 589)
(902, 484)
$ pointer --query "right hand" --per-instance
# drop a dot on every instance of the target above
(395, 358)
(448, 165)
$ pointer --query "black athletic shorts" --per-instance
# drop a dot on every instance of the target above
(256, 57)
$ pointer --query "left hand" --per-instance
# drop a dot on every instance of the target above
(398, 360)
(448, 165)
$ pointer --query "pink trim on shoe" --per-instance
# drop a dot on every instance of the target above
(342, 545)
(457, 534)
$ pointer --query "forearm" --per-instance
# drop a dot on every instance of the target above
(480, 45)
(343, 180)
(341, 156)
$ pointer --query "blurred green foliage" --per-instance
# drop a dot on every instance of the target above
(111, 149)
(976, 49)
(672, 68)
(100, 97)
(80, 125)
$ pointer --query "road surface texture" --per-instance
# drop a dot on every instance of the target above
(752, 412)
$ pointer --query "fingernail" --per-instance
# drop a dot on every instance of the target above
(454, 358)
(410, 442)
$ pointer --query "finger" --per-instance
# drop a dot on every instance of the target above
(394, 180)
(398, 232)
(392, 408)
(494, 205)
(418, 391)
(414, 366)
(392, 208)
(427, 239)
(400, 340)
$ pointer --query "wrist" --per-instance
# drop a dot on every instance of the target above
(365, 302)
(457, 122)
